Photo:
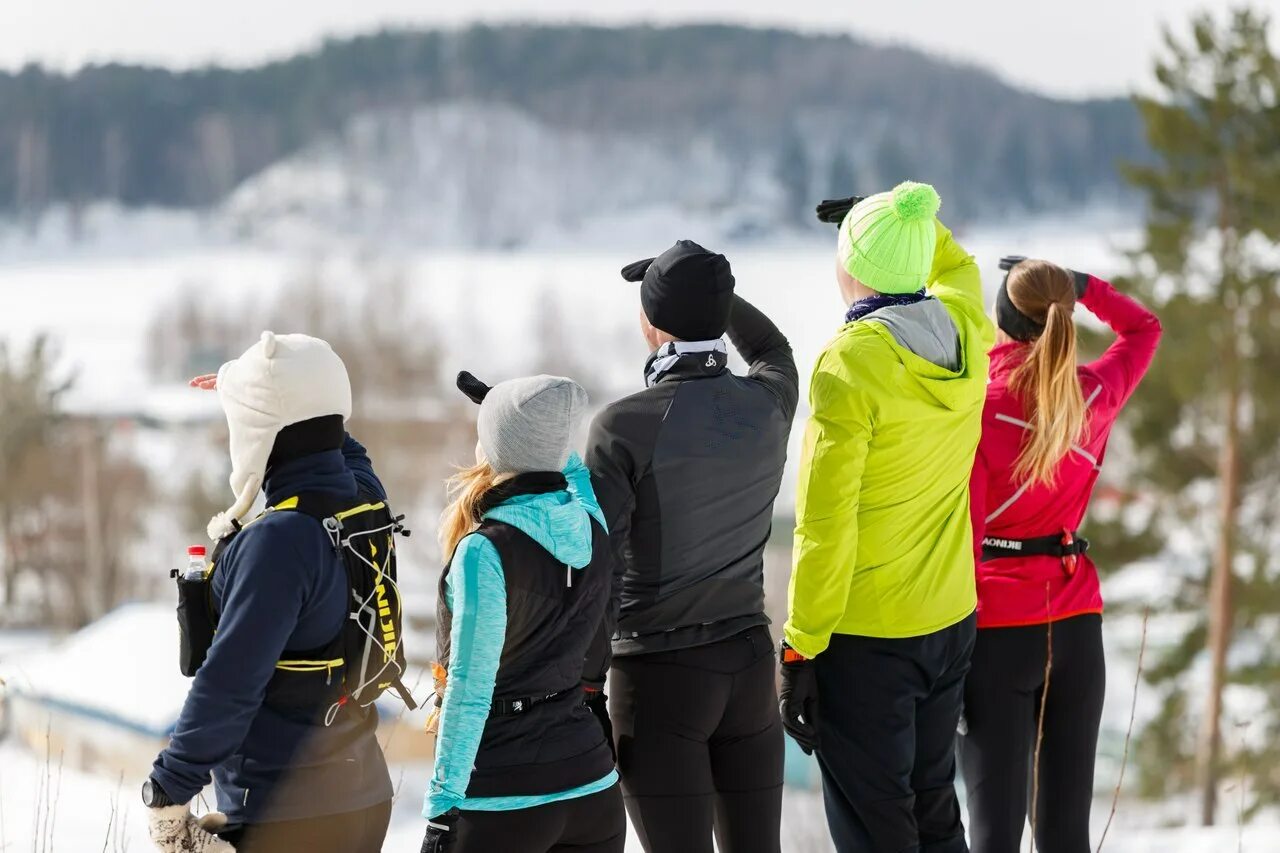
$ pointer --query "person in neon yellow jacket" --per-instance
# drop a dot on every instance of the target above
(882, 592)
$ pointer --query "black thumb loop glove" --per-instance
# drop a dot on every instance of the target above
(1081, 280)
(598, 704)
(834, 210)
(635, 270)
(441, 833)
(475, 390)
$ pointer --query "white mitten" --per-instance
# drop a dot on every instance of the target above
(175, 830)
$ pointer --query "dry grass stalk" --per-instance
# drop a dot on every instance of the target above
(1044, 703)
(1128, 735)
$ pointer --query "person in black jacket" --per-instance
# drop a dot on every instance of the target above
(687, 471)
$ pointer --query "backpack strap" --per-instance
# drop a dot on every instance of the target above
(335, 513)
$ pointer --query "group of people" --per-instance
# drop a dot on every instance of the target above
(602, 640)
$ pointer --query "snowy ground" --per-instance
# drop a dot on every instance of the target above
(47, 807)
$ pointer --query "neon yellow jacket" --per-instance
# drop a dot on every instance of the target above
(883, 541)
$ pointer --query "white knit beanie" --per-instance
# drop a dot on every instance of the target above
(530, 424)
(280, 380)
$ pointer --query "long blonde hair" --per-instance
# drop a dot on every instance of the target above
(466, 489)
(1047, 381)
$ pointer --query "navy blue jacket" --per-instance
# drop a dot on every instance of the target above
(278, 585)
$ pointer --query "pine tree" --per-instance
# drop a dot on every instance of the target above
(1209, 411)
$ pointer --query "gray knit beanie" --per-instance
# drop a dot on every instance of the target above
(529, 424)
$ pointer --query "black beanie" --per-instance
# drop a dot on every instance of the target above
(686, 291)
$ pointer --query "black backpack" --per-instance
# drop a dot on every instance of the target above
(367, 657)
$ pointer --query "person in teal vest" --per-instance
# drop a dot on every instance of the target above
(521, 762)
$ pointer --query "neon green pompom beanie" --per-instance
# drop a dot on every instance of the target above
(887, 240)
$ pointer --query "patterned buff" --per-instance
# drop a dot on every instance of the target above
(863, 307)
(685, 360)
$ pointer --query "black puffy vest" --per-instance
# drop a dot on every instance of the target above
(556, 744)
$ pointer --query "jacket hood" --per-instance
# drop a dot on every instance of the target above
(935, 350)
(558, 521)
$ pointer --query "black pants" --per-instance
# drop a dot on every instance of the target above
(352, 832)
(700, 745)
(888, 710)
(591, 824)
(1002, 707)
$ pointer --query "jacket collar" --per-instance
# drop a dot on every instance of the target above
(1006, 357)
(316, 472)
(680, 360)
(531, 483)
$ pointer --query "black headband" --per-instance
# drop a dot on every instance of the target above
(1011, 321)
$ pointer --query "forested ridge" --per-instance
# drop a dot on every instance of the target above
(830, 110)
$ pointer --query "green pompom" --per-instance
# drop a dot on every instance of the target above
(913, 202)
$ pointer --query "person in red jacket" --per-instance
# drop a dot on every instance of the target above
(1044, 435)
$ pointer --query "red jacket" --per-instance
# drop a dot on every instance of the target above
(1037, 589)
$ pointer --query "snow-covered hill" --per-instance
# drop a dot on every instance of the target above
(489, 175)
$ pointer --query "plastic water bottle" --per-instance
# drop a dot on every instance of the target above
(195, 563)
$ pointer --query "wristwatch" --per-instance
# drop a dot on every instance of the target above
(790, 655)
(154, 797)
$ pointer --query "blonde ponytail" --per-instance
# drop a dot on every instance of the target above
(1048, 384)
(1046, 381)
(466, 489)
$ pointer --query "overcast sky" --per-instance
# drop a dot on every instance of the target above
(1067, 47)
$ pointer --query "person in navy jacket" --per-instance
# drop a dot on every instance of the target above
(284, 779)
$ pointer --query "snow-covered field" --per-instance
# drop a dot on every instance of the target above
(99, 299)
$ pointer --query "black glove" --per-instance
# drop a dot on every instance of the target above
(598, 704)
(1080, 279)
(442, 833)
(1008, 262)
(798, 701)
(833, 210)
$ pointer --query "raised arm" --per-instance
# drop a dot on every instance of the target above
(476, 592)
(826, 537)
(767, 353)
(1137, 330)
(954, 277)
